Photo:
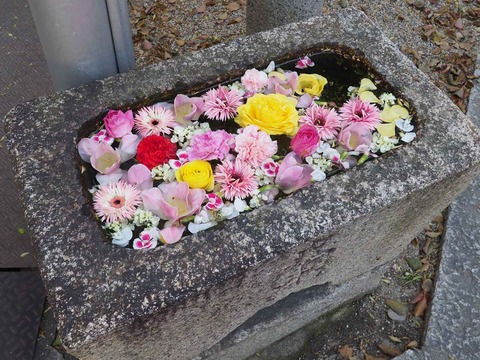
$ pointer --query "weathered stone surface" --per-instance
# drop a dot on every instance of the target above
(280, 12)
(277, 321)
(178, 301)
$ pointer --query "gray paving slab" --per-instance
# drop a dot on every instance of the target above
(453, 329)
(21, 302)
(23, 76)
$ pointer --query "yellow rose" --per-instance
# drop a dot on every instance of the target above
(311, 84)
(274, 113)
(197, 174)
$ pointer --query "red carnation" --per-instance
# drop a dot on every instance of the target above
(155, 150)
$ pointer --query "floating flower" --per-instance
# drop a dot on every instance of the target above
(140, 176)
(211, 145)
(292, 174)
(312, 84)
(237, 179)
(198, 174)
(173, 201)
(154, 120)
(269, 167)
(356, 137)
(102, 135)
(326, 121)
(155, 150)
(128, 147)
(254, 146)
(358, 111)
(147, 239)
(214, 203)
(187, 108)
(86, 147)
(105, 159)
(283, 83)
(172, 234)
(116, 201)
(390, 115)
(305, 141)
(118, 123)
(274, 113)
(304, 62)
(221, 103)
(254, 80)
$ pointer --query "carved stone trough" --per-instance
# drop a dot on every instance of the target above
(274, 269)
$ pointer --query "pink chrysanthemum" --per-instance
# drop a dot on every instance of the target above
(254, 146)
(116, 201)
(222, 103)
(154, 120)
(358, 111)
(326, 121)
(237, 179)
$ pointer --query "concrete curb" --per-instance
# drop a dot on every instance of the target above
(453, 330)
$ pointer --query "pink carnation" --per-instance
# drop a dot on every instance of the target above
(358, 111)
(210, 145)
(254, 146)
(306, 141)
(326, 121)
(254, 80)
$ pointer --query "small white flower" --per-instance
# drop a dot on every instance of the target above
(387, 99)
(270, 67)
(318, 175)
(408, 137)
(240, 205)
(194, 228)
(404, 124)
(122, 237)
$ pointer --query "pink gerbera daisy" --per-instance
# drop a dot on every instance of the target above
(154, 120)
(237, 179)
(116, 201)
(326, 121)
(222, 103)
(358, 111)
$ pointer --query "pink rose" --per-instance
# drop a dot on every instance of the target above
(356, 137)
(254, 80)
(305, 141)
(118, 123)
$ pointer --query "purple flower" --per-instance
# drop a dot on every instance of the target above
(210, 145)
(292, 174)
(118, 123)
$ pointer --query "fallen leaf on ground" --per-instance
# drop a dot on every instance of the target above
(233, 6)
(346, 351)
(412, 345)
(146, 45)
(395, 339)
(421, 307)
(433, 234)
(389, 350)
(397, 306)
(370, 357)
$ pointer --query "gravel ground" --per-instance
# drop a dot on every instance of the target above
(441, 38)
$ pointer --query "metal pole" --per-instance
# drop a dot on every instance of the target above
(267, 14)
(78, 42)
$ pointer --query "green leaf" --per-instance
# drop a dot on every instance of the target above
(21, 231)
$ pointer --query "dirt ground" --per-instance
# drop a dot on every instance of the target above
(441, 38)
